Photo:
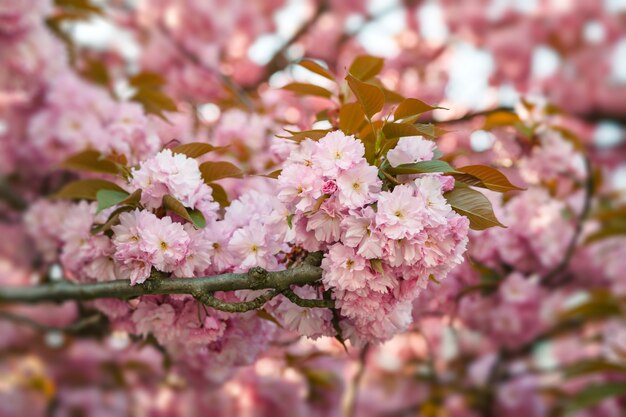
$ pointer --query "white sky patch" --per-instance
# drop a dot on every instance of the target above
(545, 62)
(378, 36)
(432, 23)
(619, 179)
(618, 68)
(607, 135)
(615, 6)
(481, 140)
(469, 76)
(508, 95)
(594, 32)
(99, 33)
(498, 8)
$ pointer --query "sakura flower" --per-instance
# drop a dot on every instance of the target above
(254, 247)
(358, 185)
(400, 212)
(168, 173)
(336, 151)
(167, 241)
(410, 150)
(344, 269)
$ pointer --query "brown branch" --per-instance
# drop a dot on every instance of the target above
(352, 392)
(278, 60)
(230, 85)
(255, 279)
(571, 247)
(13, 200)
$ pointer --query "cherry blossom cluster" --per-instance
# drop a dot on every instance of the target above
(383, 245)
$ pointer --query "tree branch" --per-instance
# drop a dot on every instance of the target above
(255, 279)
(571, 247)
(278, 60)
(14, 200)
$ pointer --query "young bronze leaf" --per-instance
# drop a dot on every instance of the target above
(274, 174)
(365, 67)
(194, 216)
(316, 68)
(315, 134)
(213, 171)
(85, 189)
(485, 177)
(429, 130)
(399, 130)
(195, 149)
(501, 118)
(147, 80)
(412, 107)
(351, 117)
(304, 89)
(109, 198)
(154, 102)
(90, 161)
(473, 205)
(369, 96)
(421, 167)
(219, 195)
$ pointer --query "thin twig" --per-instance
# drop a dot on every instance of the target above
(72, 328)
(278, 60)
(14, 200)
(571, 247)
(307, 303)
(239, 92)
(352, 392)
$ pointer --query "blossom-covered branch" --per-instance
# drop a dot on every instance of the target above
(255, 279)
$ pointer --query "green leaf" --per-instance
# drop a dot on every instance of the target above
(485, 177)
(194, 216)
(213, 171)
(197, 218)
(421, 167)
(594, 394)
(592, 366)
(377, 265)
(219, 195)
(316, 68)
(351, 117)
(85, 189)
(365, 67)
(369, 96)
(109, 198)
(195, 149)
(473, 205)
(304, 89)
(598, 307)
(90, 160)
(315, 134)
(411, 107)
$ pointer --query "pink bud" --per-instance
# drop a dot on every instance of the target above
(329, 187)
